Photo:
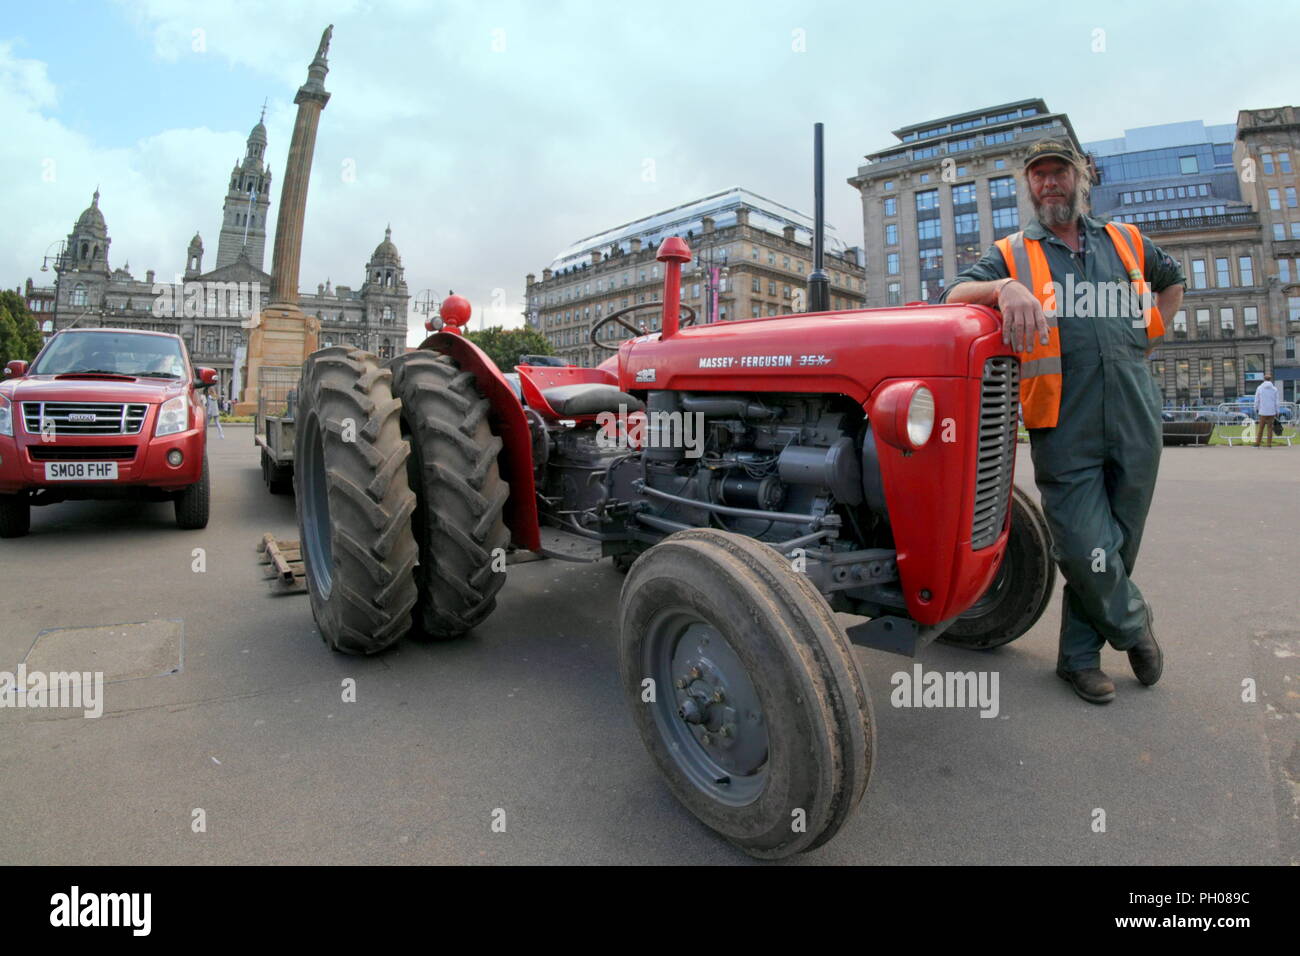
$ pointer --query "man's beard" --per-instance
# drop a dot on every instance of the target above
(1057, 214)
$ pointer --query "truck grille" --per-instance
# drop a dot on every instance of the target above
(81, 452)
(84, 418)
(999, 401)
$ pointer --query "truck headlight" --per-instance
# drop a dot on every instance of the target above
(920, 417)
(6, 418)
(173, 416)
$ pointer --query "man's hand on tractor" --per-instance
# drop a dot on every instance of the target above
(1022, 317)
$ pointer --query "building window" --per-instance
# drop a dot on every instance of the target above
(967, 224)
(891, 206)
(771, 258)
(1187, 165)
(756, 285)
(891, 234)
(785, 291)
(1247, 269)
(1226, 323)
(931, 261)
(1206, 381)
(1180, 324)
(1274, 202)
(889, 184)
(928, 229)
(927, 199)
(964, 194)
(785, 262)
(1293, 308)
(1002, 187)
(1290, 346)
(1005, 220)
(1202, 323)
(891, 264)
(1295, 230)
(1279, 232)
(1284, 270)
(1182, 381)
(1250, 319)
(756, 310)
(771, 309)
(771, 287)
(999, 164)
(1290, 197)
(79, 294)
(1284, 161)
(1198, 274)
(895, 294)
(1222, 277)
(1267, 160)
(1230, 389)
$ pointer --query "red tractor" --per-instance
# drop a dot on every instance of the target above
(751, 477)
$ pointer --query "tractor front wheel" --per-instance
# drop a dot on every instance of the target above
(745, 691)
(353, 502)
(1019, 594)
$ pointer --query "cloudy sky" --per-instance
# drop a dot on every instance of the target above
(491, 135)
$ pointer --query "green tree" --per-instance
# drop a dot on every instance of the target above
(504, 346)
(20, 335)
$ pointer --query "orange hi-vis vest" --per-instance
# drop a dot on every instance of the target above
(1040, 370)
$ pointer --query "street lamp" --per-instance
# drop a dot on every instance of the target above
(58, 257)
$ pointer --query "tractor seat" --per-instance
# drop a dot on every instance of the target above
(589, 398)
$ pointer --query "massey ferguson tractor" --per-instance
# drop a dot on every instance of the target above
(750, 477)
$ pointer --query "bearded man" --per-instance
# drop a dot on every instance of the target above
(1076, 299)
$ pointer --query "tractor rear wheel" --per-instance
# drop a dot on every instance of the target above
(459, 519)
(745, 691)
(353, 502)
(1022, 589)
(15, 516)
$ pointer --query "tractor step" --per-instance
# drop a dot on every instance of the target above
(281, 561)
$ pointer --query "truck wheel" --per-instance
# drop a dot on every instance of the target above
(15, 516)
(279, 479)
(192, 503)
(1019, 594)
(459, 520)
(745, 691)
(353, 502)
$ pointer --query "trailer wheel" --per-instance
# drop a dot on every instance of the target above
(745, 691)
(191, 504)
(15, 516)
(1019, 594)
(353, 502)
(278, 478)
(459, 519)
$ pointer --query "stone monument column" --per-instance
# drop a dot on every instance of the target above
(284, 334)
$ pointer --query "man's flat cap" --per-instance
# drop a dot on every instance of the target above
(1056, 148)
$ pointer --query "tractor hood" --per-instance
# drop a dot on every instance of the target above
(845, 352)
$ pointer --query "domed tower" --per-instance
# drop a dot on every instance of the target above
(243, 217)
(83, 268)
(384, 296)
(194, 257)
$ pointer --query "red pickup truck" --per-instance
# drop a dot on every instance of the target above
(104, 413)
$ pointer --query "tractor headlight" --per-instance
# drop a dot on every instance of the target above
(173, 417)
(6, 418)
(920, 416)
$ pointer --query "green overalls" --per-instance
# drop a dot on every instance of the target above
(1096, 470)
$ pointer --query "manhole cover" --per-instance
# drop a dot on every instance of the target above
(118, 651)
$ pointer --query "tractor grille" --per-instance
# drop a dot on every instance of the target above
(81, 452)
(84, 418)
(999, 401)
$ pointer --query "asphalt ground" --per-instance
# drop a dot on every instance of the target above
(523, 721)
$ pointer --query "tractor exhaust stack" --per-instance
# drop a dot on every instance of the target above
(819, 287)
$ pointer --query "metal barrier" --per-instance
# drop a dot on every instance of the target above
(1227, 417)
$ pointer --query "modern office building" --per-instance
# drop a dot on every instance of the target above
(751, 257)
(936, 200)
(1180, 184)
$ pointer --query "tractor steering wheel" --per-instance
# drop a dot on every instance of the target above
(688, 319)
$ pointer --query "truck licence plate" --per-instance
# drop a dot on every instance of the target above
(80, 471)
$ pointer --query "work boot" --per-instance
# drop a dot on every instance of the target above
(1091, 684)
(1145, 657)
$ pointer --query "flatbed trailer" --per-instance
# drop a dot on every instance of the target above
(273, 425)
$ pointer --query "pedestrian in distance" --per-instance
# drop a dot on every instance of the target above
(1266, 408)
(1082, 302)
(214, 414)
